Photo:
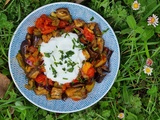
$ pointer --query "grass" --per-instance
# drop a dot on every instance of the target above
(134, 93)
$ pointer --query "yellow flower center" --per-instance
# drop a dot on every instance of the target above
(135, 5)
(148, 70)
(152, 20)
(121, 115)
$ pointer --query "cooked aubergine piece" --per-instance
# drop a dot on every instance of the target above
(99, 77)
(24, 47)
(97, 31)
(100, 44)
(55, 21)
(20, 60)
(91, 25)
(101, 61)
(41, 91)
(79, 22)
(56, 93)
(86, 53)
(63, 14)
(76, 93)
(30, 84)
(33, 73)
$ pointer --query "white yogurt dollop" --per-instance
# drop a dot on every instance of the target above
(62, 57)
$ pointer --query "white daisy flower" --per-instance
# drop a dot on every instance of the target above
(135, 5)
(121, 115)
(147, 70)
(153, 20)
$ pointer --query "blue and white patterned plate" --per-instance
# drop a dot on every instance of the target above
(100, 89)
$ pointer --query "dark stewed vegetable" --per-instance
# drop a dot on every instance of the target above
(63, 14)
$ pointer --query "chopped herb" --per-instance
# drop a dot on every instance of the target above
(70, 69)
(76, 30)
(39, 47)
(104, 31)
(77, 44)
(70, 21)
(65, 61)
(56, 46)
(92, 18)
(56, 63)
(96, 48)
(62, 54)
(66, 35)
(54, 58)
(63, 69)
(54, 72)
(74, 44)
(48, 54)
(69, 53)
(65, 78)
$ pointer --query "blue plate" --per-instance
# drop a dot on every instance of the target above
(100, 89)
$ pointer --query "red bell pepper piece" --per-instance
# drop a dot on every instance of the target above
(88, 34)
(41, 78)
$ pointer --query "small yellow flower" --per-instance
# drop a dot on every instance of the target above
(147, 70)
(135, 5)
(153, 20)
(121, 115)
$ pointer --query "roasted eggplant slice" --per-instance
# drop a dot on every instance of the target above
(101, 62)
(56, 93)
(79, 22)
(24, 47)
(99, 77)
(77, 93)
(33, 73)
(100, 44)
(41, 91)
(91, 25)
(97, 31)
(63, 14)
(35, 40)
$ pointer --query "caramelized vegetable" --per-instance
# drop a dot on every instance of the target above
(90, 86)
(63, 14)
(41, 91)
(77, 93)
(79, 22)
(56, 93)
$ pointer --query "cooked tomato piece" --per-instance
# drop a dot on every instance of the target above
(63, 24)
(30, 29)
(41, 78)
(88, 34)
(90, 72)
(44, 23)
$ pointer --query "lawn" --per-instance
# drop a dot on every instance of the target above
(135, 93)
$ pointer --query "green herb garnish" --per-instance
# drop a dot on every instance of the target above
(92, 18)
(54, 72)
(104, 31)
(70, 69)
(65, 78)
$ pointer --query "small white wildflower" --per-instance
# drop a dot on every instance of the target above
(147, 70)
(135, 5)
(121, 115)
(153, 20)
